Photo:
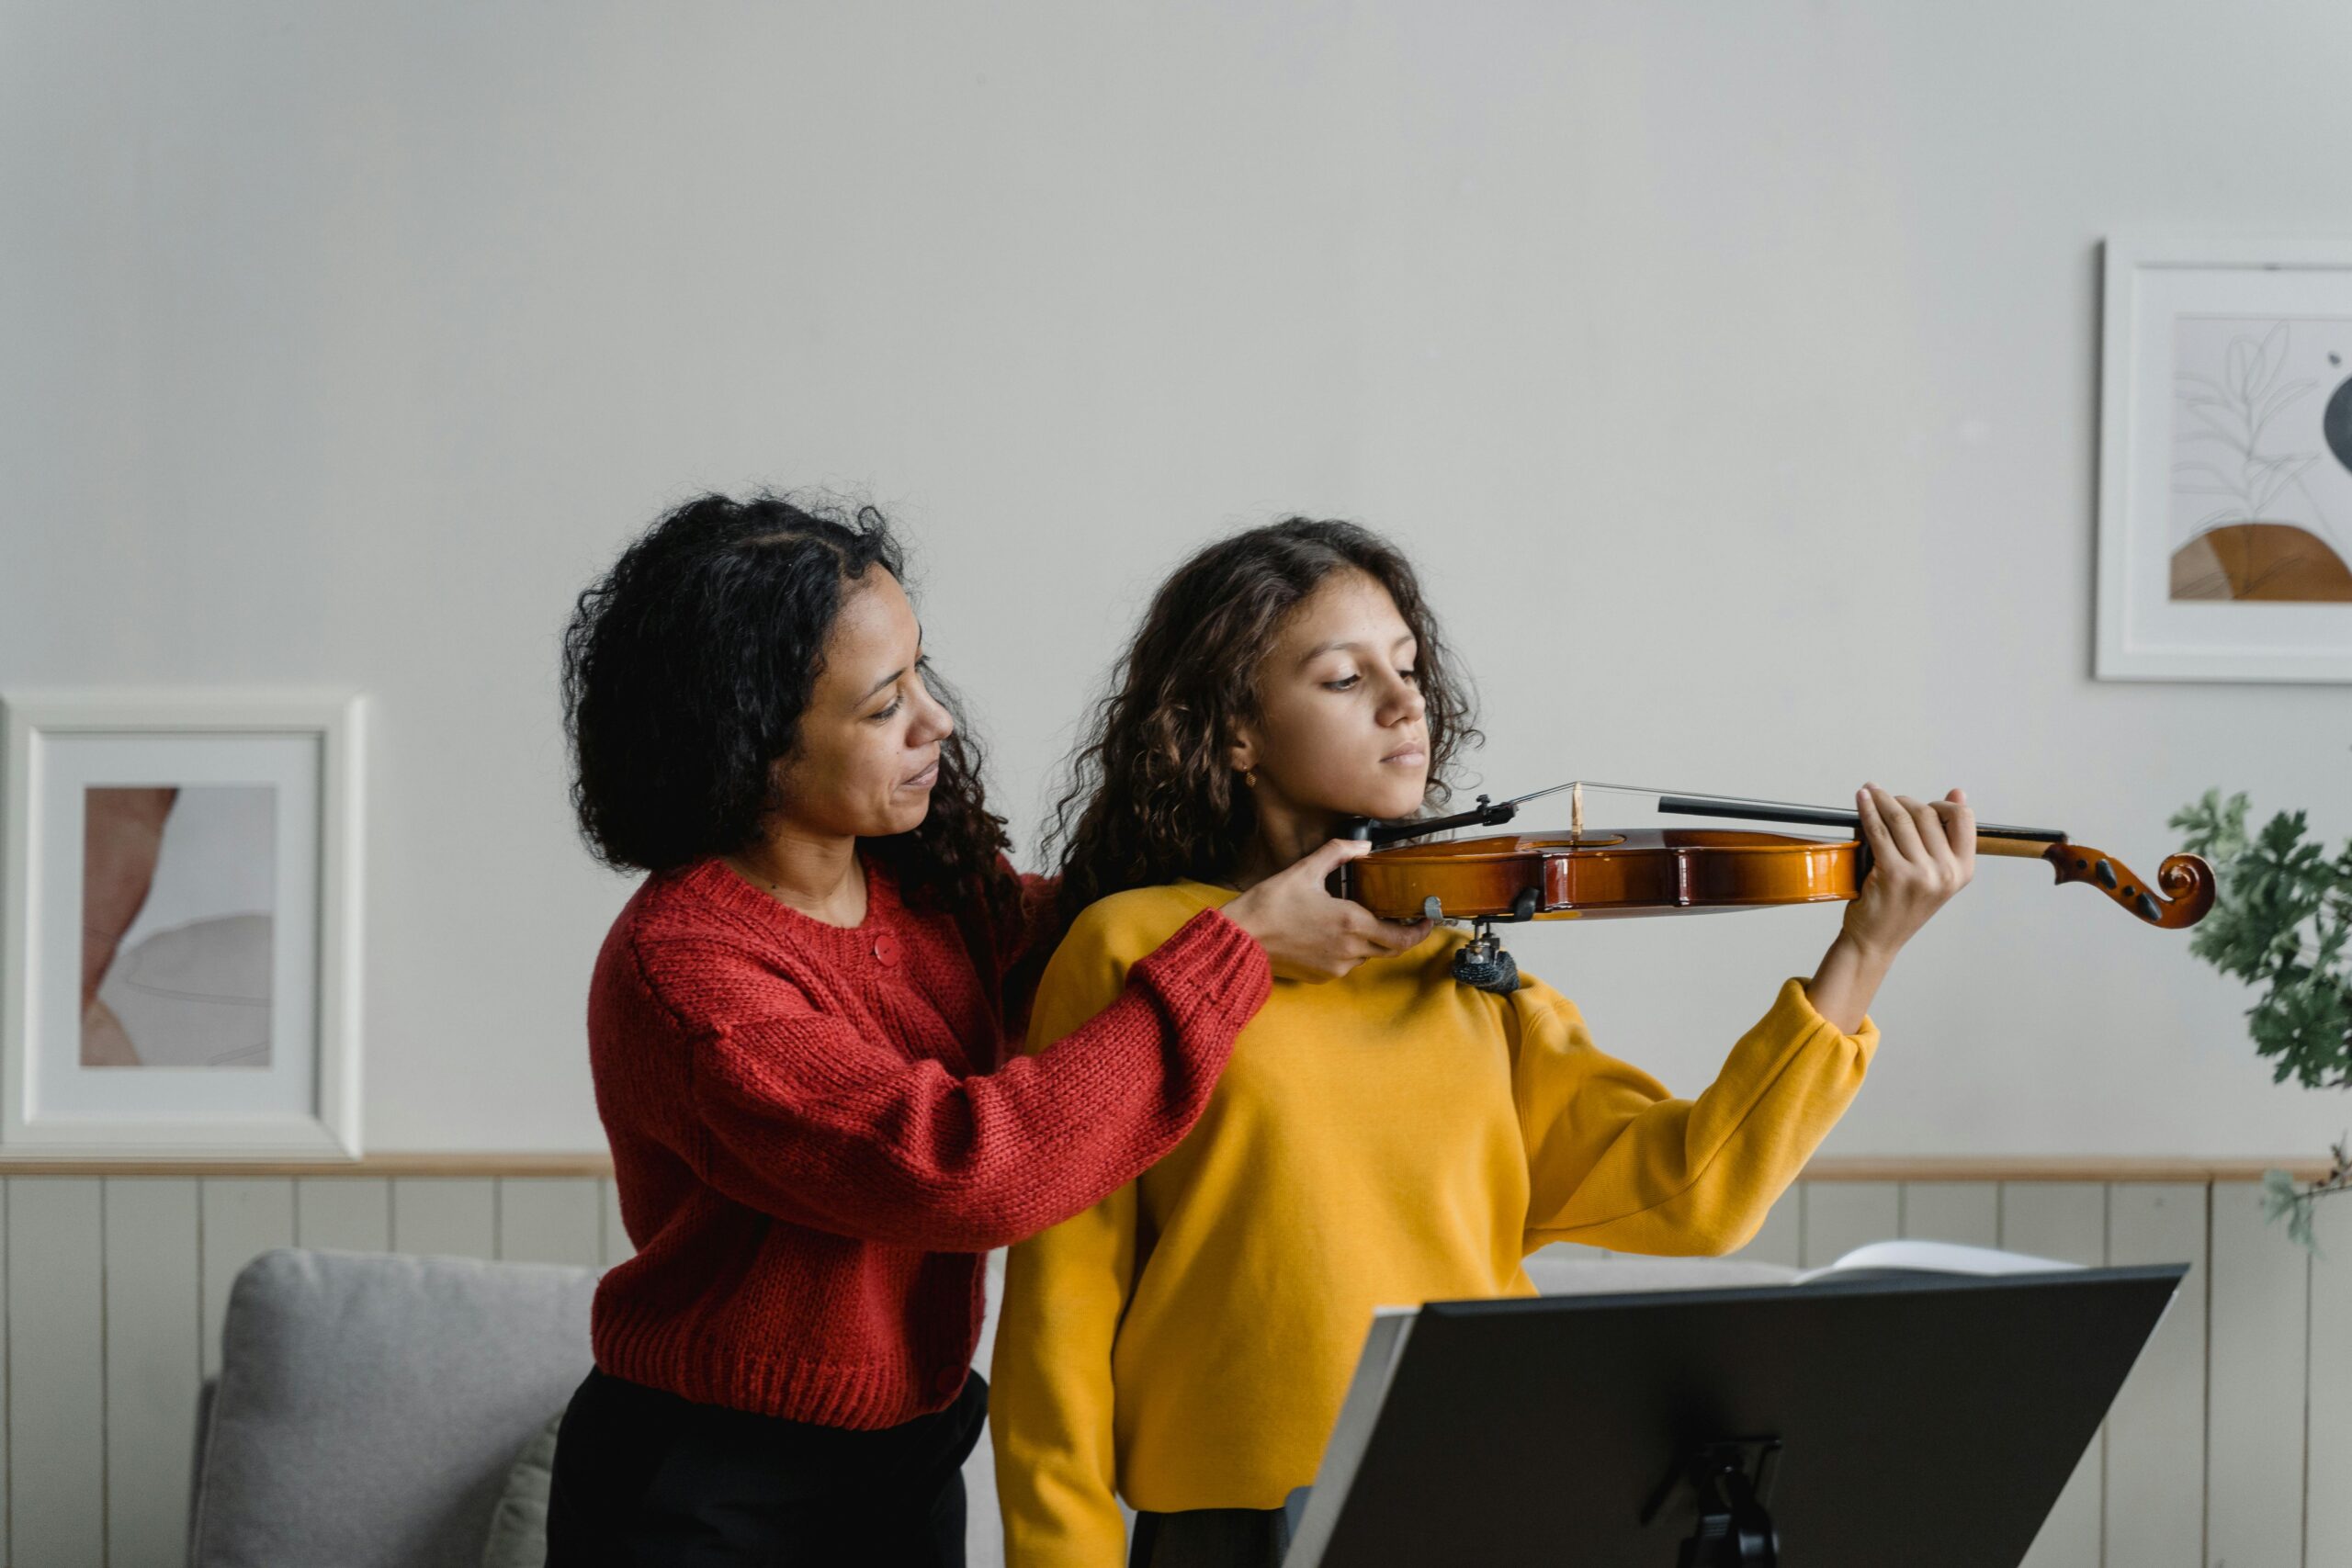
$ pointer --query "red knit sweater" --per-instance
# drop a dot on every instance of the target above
(811, 1149)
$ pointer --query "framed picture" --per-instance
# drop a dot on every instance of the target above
(181, 960)
(2225, 460)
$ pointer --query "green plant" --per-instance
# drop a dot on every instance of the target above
(2283, 921)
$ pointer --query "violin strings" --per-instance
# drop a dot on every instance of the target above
(1684, 801)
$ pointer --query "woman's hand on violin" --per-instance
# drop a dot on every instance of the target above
(1307, 933)
(1922, 853)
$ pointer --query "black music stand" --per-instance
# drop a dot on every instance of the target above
(1862, 1420)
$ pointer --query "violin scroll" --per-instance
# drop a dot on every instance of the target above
(2183, 891)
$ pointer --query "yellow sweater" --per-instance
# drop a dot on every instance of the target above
(1388, 1139)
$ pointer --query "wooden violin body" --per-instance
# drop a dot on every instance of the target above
(1600, 873)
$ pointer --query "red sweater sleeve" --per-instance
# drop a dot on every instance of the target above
(810, 1120)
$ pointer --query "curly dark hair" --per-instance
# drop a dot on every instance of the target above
(686, 669)
(1151, 796)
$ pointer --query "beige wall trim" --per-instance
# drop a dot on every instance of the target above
(1829, 1168)
(475, 1165)
(2053, 1168)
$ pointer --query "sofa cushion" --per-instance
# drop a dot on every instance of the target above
(369, 1407)
(518, 1525)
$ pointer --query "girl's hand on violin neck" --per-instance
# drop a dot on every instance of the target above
(1308, 934)
(1922, 853)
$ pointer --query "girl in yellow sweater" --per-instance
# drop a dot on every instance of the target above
(1389, 1137)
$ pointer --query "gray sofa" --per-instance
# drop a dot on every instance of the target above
(369, 1407)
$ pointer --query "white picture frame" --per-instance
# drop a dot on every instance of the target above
(2225, 484)
(261, 795)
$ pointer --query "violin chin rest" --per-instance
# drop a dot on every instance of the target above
(1484, 965)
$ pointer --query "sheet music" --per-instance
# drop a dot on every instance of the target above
(1932, 1257)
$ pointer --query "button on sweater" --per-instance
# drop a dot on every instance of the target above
(813, 1143)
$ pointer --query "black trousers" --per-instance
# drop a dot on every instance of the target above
(1218, 1538)
(644, 1479)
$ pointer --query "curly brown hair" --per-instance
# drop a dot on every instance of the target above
(1151, 796)
(687, 666)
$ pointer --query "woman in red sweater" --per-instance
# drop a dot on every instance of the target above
(795, 1029)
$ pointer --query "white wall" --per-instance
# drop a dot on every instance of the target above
(1731, 369)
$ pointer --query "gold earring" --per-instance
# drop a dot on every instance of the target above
(1249, 778)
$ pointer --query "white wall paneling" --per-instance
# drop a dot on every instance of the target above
(2258, 1330)
(114, 1288)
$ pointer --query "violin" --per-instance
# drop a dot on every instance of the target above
(1604, 873)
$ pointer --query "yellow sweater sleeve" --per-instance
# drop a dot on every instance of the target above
(1614, 1161)
(1050, 1398)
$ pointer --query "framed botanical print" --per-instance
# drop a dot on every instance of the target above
(182, 895)
(2225, 460)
